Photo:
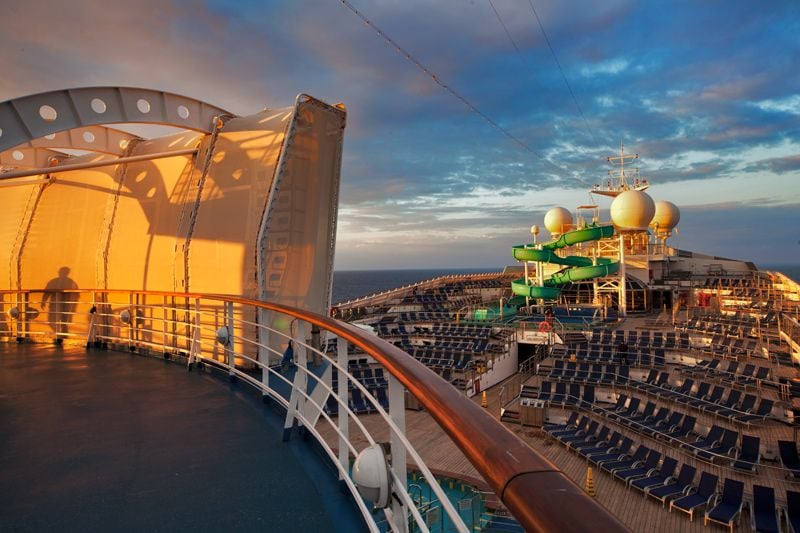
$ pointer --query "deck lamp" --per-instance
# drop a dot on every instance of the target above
(223, 336)
(371, 475)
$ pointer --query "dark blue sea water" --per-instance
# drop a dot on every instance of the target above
(349, 284)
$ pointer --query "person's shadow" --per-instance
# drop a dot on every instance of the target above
(61, 304)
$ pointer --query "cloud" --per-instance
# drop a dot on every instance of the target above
(703, 95)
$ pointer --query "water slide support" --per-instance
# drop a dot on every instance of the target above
(623, 290)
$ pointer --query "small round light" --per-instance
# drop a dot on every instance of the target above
(125, 316)
(223, 336)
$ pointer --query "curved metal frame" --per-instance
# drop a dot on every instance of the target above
(39, 115)
(539, 495)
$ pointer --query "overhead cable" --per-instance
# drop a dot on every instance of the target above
(563, 76)
(444, 86)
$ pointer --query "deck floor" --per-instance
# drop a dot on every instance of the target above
(109, 441)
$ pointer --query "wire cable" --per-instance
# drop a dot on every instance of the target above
(563, 76)
(447, 88)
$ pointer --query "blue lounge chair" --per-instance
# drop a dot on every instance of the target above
(626, 475)
(633, 461)
(584, 421)
(580, 435)
(764, 517)
(601, 447)
(664, 474)
(764, 410)
(691, 502)
(789, 458)
(590, 441)
(686, 427)
(683, 483)
(749, 454)
(570, 423)
(727, 509)
(614, 454)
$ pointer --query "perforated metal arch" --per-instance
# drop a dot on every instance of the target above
(25, 119)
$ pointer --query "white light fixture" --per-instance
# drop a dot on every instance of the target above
(371, 476)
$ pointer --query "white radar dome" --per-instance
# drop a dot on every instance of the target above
(667, 216)
(558, 220)
(632, 210)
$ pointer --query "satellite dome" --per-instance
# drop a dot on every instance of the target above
(558, 220)
(667, 216)
(632, 210)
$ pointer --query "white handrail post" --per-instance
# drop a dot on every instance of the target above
(194, 351)
(164, 328)
(341, 391)
(229, 351)
(297, 399)
(397, 412)
(263, 351)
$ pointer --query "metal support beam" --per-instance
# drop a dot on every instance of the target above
(95, 164)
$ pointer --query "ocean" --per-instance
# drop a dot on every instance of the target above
(349, 284)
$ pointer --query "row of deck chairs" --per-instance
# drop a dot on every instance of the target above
(750, 375)
(561, 396)
(441, 358)
(645, 470)
(722, 345)
(679, 426)
(585, 373)
(644, 357)
(669, 340)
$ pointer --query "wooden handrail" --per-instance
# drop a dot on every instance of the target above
(538, 494)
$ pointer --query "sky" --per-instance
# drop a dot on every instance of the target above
(707, 93)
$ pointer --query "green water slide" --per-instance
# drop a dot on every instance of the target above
(581, 267)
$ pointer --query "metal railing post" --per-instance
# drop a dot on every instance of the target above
(263, 350)
(341, 391)
(397, 412)
(229, 347)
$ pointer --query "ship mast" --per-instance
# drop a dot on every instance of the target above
(619, 181)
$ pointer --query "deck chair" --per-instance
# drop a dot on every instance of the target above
(764, 410)
(545, 391)
(580, 435)
(793, 511)
(698, 398)
(638, 456)
(601, 447)
(632, 409)
(626, 475)
(582, 424)
(726, 408)
(749, 454)
(691, 502)
(685, 429)
(570, 423)
(614, 454)
(664, 474)
(681, 485)
(725, 446)
(764, 515)
(727, 509)
(591, 441)
(560, 394)
(789, 458)
(712, 437)
(714, 397)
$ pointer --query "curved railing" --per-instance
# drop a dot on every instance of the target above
(247, 337)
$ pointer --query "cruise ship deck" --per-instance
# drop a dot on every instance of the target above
(107, 440)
